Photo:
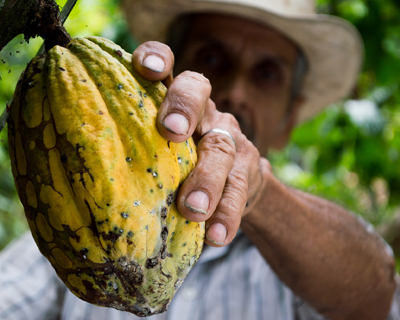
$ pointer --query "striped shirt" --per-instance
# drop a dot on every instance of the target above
(229, 283)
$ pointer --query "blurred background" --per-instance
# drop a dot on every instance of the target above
(349, 154)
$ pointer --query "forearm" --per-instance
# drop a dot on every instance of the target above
(322, 252)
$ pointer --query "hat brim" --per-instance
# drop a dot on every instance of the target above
(332, 46)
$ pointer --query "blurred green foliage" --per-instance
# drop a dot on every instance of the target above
(350, 153)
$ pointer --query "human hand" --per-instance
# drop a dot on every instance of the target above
(227, 175)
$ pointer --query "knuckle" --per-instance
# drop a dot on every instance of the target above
(157, 46)
(239, 180)
(197, 78)
(218, 143)
(231, 120)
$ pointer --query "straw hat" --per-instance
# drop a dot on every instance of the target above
(333, 47)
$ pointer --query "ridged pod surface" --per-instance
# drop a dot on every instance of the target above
(97, 180)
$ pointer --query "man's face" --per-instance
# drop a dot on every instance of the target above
(250, 68)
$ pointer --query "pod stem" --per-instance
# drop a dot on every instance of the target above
(32, 18)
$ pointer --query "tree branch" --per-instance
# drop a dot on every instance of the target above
(32, 18)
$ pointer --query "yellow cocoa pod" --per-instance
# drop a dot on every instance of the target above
(97, 180)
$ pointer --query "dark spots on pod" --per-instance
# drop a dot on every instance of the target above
(131, 113)
(170, 255)
(132, 269)
(155, 156)
(187, 162)
(155, 174)
(187, 221)
(128, 159)
(130, 234)
(184, 245)
(84, 253)
(112, 179)
(151, 263)
(112, 236)
(144, 312)
(170, 199)
(164, 233)
(61, 69)
(146, 227)
(136, 203)
(160, 186)
(31, 84)
(149, 170)
(64, 158)
(107, 206)
(140, 93)
(187, 142)
(164, 252)
(191, 150)
(120, 86)
(145, 95)
(140, 104)
(118, 230)
(3, 61)
(99, 84)
(151, 190)
(169, 146)
(119, 53)
(84, 80)
(179, 160)
(100, 223)
(101, 112)
(164, 212)
(124, 215)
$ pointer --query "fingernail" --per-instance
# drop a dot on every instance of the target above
(154, 63)
(176, 123)
(216, 233)
(197, 202)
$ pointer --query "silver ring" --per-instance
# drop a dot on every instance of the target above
(217, 130)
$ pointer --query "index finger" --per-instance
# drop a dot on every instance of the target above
(154, 61)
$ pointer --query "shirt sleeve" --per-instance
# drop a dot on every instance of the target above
(29, 286)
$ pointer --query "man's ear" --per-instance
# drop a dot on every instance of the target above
(289, 122)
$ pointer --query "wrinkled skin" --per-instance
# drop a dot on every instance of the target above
(317, 248)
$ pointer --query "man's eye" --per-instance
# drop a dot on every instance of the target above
(267, 74)
(211, 59)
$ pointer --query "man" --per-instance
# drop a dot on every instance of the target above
(296, 256)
